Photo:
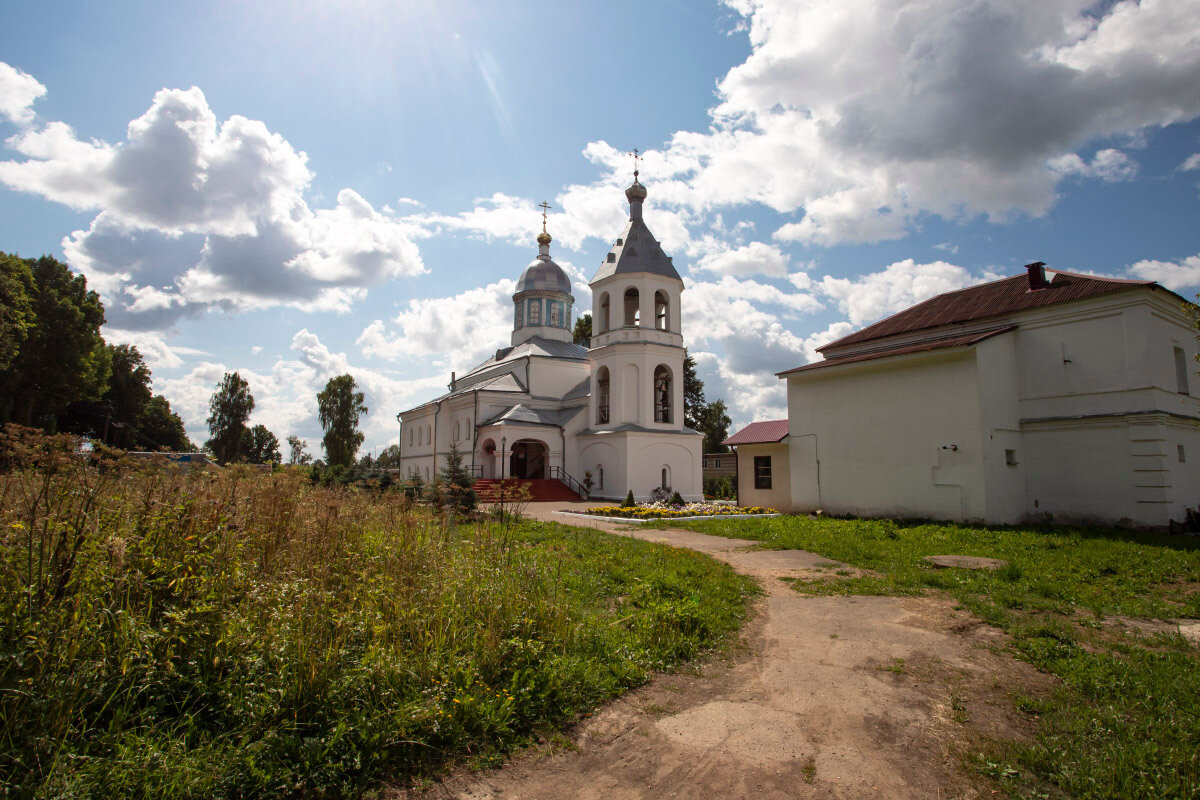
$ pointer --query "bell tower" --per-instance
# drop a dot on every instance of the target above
(637, 342)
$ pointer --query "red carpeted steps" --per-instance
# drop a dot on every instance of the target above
(542, 491)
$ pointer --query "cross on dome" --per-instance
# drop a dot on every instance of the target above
(544, 236)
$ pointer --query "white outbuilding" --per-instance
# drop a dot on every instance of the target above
(1027, 398)
(547, 408)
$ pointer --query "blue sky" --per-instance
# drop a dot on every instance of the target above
(298, 190)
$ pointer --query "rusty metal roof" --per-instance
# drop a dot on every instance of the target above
(774, 430)
(994, 299)
(937, 344)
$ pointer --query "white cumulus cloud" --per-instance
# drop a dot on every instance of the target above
(1180, 276)
(197, 214)
(18, 91)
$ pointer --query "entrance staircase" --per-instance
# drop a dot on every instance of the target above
(542, 490)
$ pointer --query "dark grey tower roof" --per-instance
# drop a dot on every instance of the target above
(545, 275)
(636, 250)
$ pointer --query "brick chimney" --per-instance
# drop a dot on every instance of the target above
(1037, 275)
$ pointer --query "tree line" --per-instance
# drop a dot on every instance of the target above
(339, 407)
(57, 372)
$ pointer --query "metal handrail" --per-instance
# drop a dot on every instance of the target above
(476, 470)
(564, 476)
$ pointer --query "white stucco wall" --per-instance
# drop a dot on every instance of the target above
(898, 438)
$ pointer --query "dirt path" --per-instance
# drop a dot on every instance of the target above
(827, 697)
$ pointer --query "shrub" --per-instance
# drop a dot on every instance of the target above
(628, 502)
(676, 499)
(720, 488)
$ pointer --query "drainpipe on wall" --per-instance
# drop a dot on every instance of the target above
(436, 411)
(563, 435)
(737, 475)
(475, 433)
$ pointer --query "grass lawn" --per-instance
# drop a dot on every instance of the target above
(234, 634)
(1126, 721)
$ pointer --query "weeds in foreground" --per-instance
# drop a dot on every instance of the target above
(1126, 721)
(229, 633)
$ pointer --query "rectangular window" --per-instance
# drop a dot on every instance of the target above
(1182, 454)
(762, 472)
(718, 463)
(1181, 371)
(704, 465)
(1010, 457)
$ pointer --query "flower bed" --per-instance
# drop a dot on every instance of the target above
(667, 511)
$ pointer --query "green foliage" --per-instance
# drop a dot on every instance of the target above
(262, 447)
(229, 633)
(457, 482)
(720, 488)
(128, 393)
(710, 419)
(714, 423)
(160, 428)
(628, 502)
(389, 457)
(339, 407)
(299, 450)
(676, 499)
(582, 335)
(1126, 723)
(693, 393)
(62, 358)
(16, 307)
(229, 408)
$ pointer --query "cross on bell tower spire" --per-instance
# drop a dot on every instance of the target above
(637, 156)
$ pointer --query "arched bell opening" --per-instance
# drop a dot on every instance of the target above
(662, 393)
(603, 401)
(633, 310)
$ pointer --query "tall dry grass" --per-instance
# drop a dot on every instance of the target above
(230, 633)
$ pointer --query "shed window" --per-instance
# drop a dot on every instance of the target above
(762, 472)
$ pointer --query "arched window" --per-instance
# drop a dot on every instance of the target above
(602, 322)
(410, 432)
(660, 310)
(554, 315)
(602, 396)
(427, 474)
(428, 434)
(599, 477)
(633, 310)
(662, 394)
(666, 477)
(520, 319)
(535, 312)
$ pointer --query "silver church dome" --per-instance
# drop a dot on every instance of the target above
(545, 275)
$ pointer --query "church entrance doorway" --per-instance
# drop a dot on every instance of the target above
(528, 459)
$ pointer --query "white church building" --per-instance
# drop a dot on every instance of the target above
(546, 408)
